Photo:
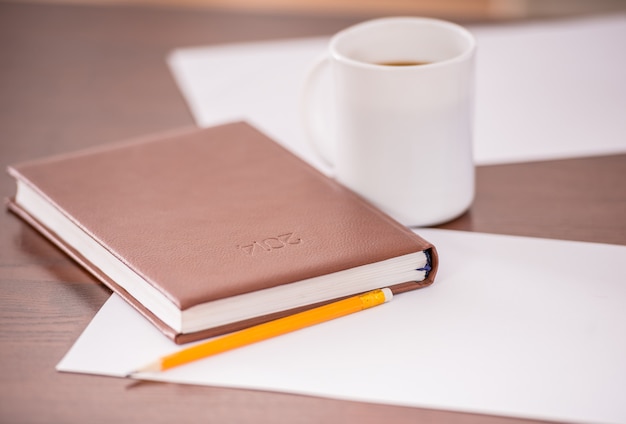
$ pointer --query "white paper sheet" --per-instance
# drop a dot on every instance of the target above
(544, 90)
(513, 326)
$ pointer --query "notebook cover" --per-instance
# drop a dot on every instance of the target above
(203, 214)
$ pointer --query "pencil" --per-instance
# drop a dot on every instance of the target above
(268, 330)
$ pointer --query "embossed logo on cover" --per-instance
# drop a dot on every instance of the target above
(270, 243)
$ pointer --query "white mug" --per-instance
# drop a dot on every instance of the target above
(402, 122)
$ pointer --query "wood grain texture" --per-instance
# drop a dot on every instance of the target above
(580, 199)
(72, 77)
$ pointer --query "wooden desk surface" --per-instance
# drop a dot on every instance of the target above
(77, 76)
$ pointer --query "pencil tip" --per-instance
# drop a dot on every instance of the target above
(152, 367)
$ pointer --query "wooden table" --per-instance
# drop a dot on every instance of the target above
(72, 77)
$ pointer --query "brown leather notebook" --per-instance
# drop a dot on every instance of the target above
(207, 231)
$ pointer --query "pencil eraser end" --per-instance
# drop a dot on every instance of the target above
(388, 294)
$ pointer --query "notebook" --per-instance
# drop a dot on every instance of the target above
(207, 231)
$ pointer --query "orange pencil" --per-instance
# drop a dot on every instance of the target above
(269, 330)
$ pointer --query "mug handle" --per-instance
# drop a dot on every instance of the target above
(311, 115)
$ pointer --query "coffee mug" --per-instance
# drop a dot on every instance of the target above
(402, 99)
